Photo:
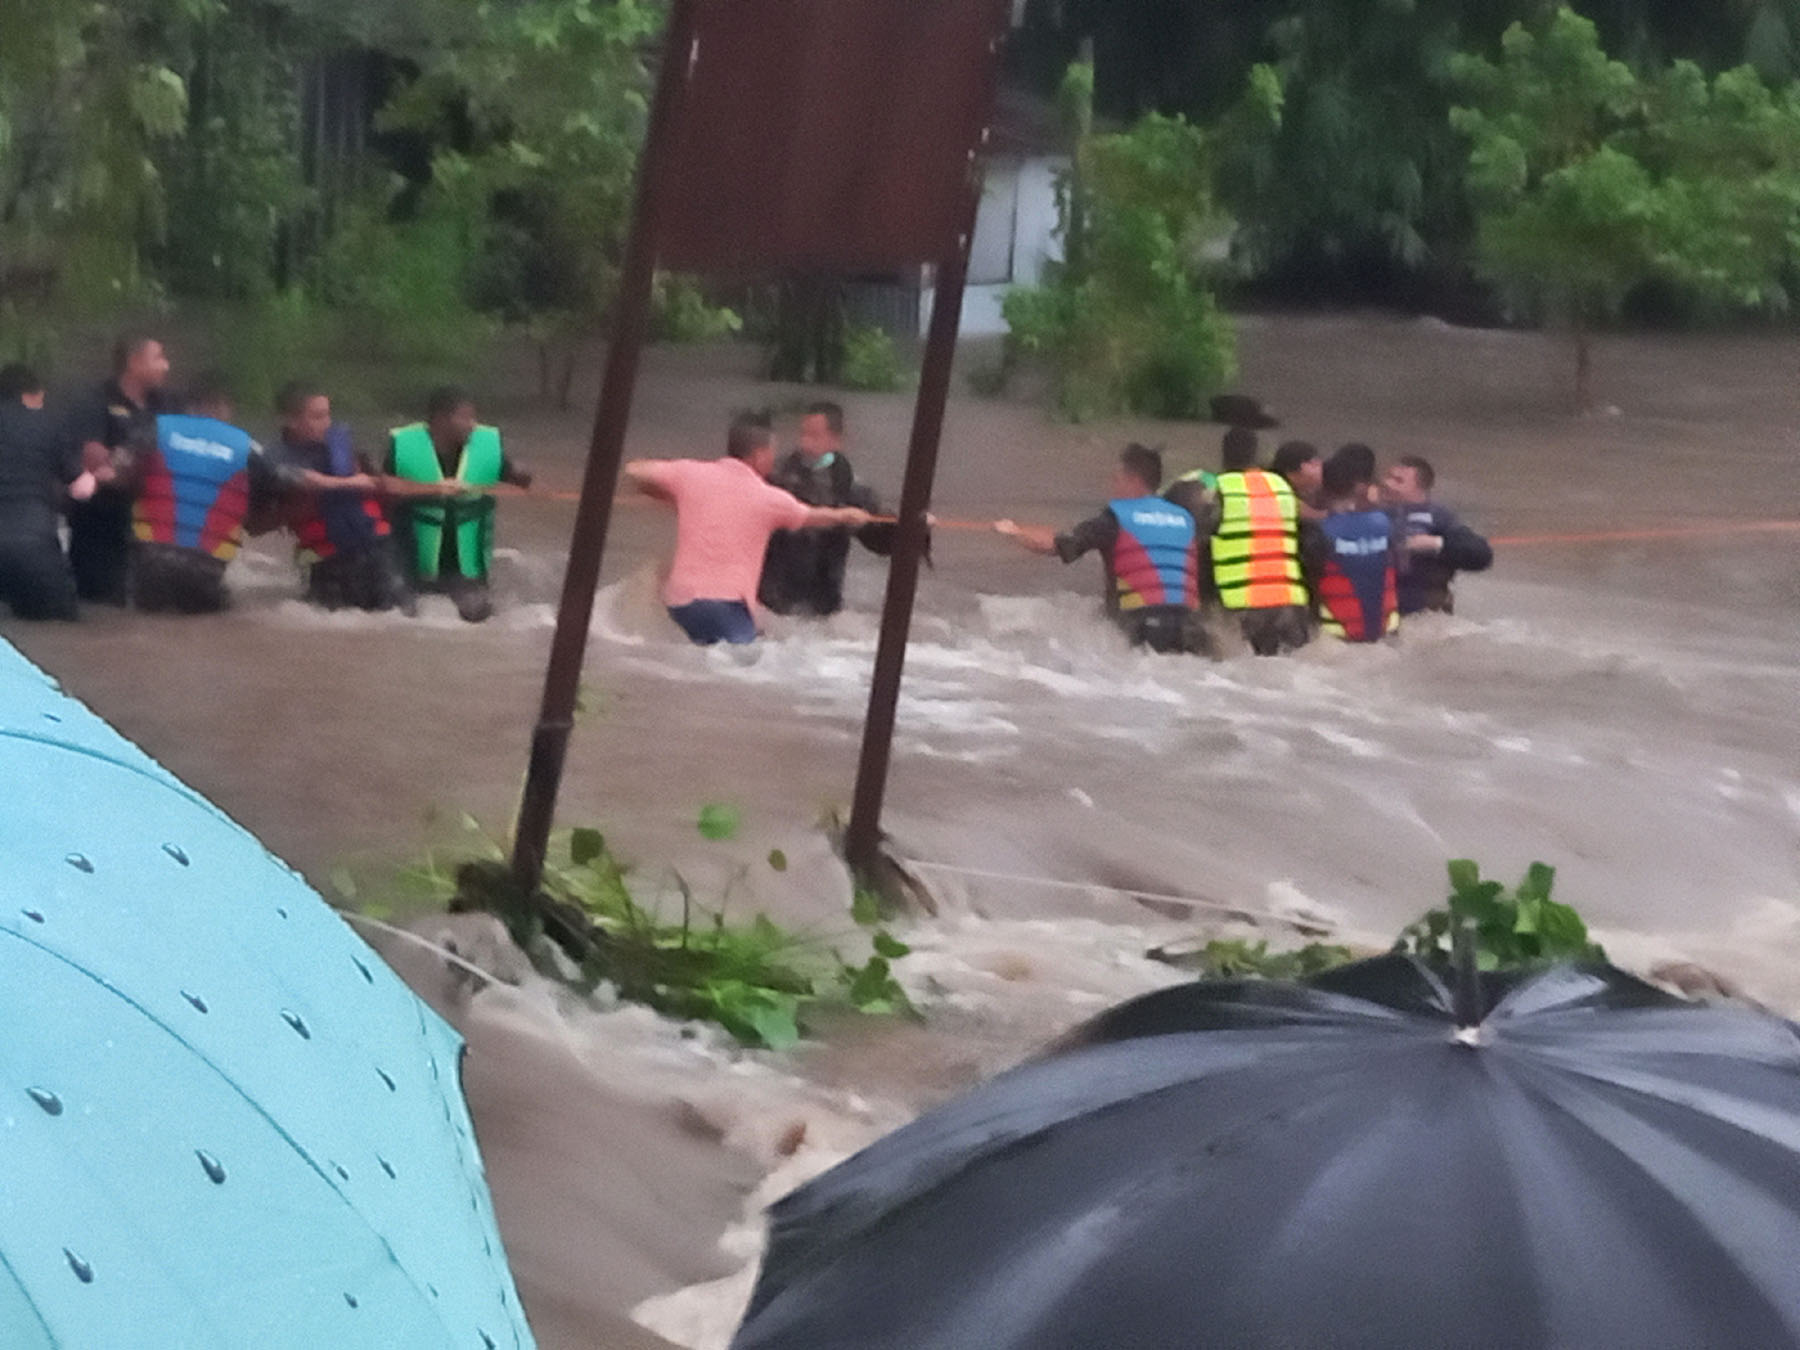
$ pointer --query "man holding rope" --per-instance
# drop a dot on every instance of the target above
(725, 512)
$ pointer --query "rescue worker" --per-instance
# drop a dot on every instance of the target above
(1195, 490)
(447, 538)
(1301, 464)
(1151, 549)
(196, 475)
(1354, 553)
(1437, 544)
(342, 536)
(1255, 550)
(804, 570)
(725, 513)
(106, 426)
(40, 468)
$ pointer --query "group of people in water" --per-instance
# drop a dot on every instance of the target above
(158, 497)
(158, 494)
(1305, 545)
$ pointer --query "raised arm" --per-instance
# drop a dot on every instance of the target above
(1035, 538)
(835, 517)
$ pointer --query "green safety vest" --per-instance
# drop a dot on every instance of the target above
(471, 515)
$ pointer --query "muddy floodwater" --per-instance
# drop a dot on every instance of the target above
(1626, 709)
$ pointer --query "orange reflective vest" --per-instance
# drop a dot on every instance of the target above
(1256, 549)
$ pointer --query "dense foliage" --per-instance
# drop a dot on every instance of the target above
(416, 172)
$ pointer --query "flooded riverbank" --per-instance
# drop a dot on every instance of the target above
(1623, 710)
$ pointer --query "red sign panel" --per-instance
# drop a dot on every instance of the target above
(827, 135)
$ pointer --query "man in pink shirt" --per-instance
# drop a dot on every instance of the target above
(725, 511)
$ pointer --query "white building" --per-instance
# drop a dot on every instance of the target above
(1015, 229)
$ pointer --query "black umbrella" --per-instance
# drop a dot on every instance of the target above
(1342, 1164)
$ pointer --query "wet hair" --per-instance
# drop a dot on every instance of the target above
(447, 399)
(749, 433)
(1292, 456)
(833, 414)
(1238, 450)
(17, 380)
(295, 395)
(1342, 477)
(1143, 464)
(1359, 459)
(209, 390)
(1422, 467)
(128, 346)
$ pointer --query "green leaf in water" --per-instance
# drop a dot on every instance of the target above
(719, 821)
(585, 845)
(889, 946)
(778, 860)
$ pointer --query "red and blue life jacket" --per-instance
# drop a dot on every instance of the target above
(1356, 590)
(194, 486)
(1155, 560)
(326, 524)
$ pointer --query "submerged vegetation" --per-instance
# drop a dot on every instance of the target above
(683, 955)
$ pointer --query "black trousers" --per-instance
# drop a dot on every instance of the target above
(100, 546)
(35, 578)
(367, 578)
(168, 580)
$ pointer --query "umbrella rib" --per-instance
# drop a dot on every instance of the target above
(25, 1294)
(253, 1104)
(1577, 1103)
(172, 783)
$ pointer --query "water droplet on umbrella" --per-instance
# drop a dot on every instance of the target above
(390, 1082)
(433, 1289)
(47, 1099)
(294, 1021)
(339, 1169)
(51, 717)
(214, 1169)
(488, 1341)
(195, 999)
(351, 1300)
(365, 971)
(79, 863)
(281, 911)
(388, 1167)
(175, 852)
(83, 1271)
(33, 915)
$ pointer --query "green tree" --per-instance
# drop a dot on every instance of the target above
(538, 108)
(1135, 327)
(85, 99)
(1590, 180)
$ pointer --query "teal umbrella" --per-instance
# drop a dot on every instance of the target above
(223, 1121)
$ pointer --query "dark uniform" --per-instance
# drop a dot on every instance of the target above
(803, 571)
(100, 529)
(37, 461)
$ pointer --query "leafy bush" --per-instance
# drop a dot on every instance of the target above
(682, 314)
(757, 980)
(1236, 958)
(1518, 929)
(871, 361)
(1129, 322)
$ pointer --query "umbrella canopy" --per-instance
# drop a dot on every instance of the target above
(223, 1121)
(1341, 1164)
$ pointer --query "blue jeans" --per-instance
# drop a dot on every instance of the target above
(710, 621)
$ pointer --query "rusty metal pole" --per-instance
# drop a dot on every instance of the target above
(606, 452)
(862, 841)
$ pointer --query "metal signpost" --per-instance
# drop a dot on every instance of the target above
(804, 135)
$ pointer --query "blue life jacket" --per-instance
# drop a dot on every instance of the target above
(1356, 589)
(194, 487)
(1155, 560)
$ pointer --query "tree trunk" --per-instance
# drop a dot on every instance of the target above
(810, 331)
(1584, 369)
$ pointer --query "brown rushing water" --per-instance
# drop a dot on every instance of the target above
(1626, 711)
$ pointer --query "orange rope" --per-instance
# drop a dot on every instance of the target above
(1503, 541)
